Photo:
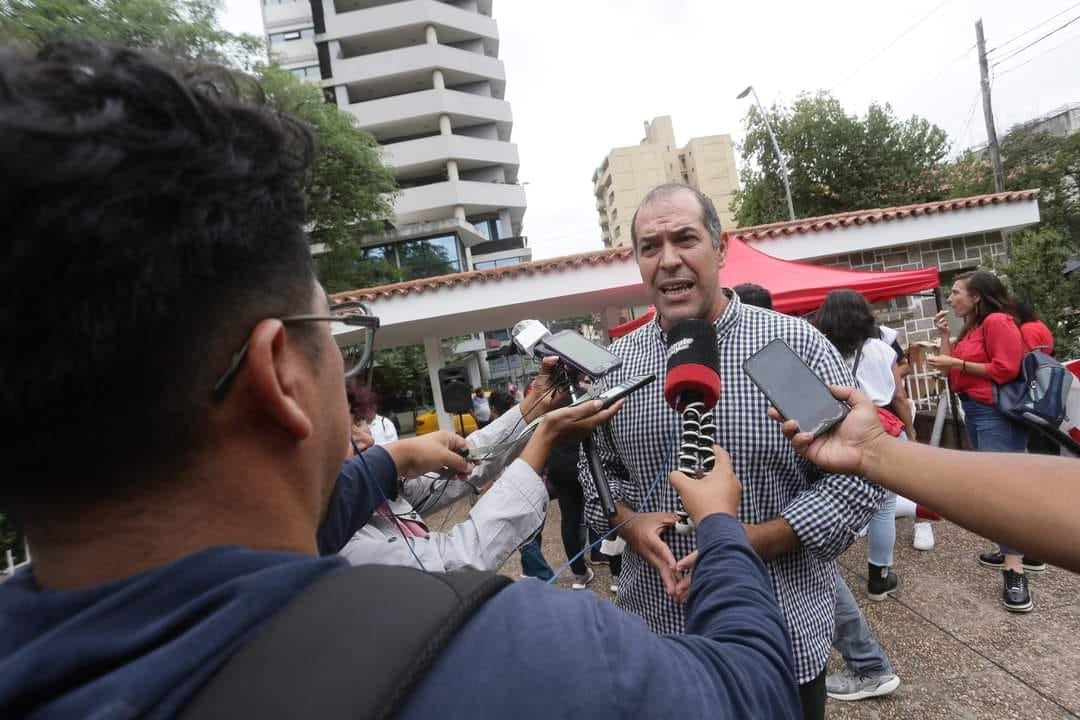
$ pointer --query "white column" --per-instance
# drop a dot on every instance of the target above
(341, 94)
(433, 355)
(335, 50)
(430, 36)
(437, 80)
(444, 124)
(459, 213)
(451, 170)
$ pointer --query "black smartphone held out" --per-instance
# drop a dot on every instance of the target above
(793, 388)
(613, 394)
(579, 354)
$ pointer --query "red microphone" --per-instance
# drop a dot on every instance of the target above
(693, 373)
(692, 388)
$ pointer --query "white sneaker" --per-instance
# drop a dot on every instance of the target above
(582, 581)
(924, 536)
(614, 585)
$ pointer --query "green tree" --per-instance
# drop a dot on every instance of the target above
(350, 190)
(836, 162)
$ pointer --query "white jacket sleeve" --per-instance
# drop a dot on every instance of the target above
(502, 520)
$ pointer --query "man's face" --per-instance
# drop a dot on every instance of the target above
(678, 263)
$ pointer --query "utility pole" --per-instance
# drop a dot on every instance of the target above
(988, 112)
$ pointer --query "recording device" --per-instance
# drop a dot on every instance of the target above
(576, 355)
(794, 389)
(575, 352)
(692, 388)
(614, 394)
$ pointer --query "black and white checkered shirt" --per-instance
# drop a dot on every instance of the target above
(826, 511)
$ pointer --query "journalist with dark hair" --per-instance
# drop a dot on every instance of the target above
(163, 324)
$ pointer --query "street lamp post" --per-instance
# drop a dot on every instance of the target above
(776, 146)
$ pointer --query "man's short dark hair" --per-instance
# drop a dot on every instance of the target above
(153, 215)
(709, 217)
(754, 294)
(502, 401)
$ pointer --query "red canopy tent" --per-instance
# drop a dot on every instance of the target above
(798, 287)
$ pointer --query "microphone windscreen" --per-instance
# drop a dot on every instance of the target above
(693, 365)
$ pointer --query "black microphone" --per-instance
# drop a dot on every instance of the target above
(603, 491)
(692, 388)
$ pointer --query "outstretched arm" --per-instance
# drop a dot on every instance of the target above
(983, 492)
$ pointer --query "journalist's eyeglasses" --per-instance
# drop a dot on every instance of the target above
(356, 352)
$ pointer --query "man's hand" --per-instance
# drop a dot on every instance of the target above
(544, 396)
(683, 572)
(642, 534)
(718, 491)
(569, 423)
(429, 453)
(845, 447)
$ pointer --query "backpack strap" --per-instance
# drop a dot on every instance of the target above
(350, 647)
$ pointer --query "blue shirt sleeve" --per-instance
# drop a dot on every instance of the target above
(364, 483)
(735, 660)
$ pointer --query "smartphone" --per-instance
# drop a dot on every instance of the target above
(579, 354)
(793, 388)
(613, 394)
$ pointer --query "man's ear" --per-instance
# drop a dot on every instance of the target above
(721, 252)
(275, 371)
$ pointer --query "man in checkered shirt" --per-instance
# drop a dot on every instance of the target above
(797, 517)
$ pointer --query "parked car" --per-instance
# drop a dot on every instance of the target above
(427, 422)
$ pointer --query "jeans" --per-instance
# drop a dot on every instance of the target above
(533, 563)
(883, 532)
(990, 431)
(862, 653)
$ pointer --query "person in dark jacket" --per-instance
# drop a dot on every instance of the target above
(183, 351)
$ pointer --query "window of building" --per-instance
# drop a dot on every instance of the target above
(308, 71)
(289, 36)
(488, 227)
(496, 263)
(429, 257)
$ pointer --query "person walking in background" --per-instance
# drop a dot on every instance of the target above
(988, 351)
(753, 294)
(846, 319)
(1035, 333)
(481, 407)
(367, 407)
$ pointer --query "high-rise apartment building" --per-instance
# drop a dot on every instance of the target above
(627, 173)
(423, 77)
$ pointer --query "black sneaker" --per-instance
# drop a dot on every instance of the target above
(996, 561)
(1016, 597)
(881, 583)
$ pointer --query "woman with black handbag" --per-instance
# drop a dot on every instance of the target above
(988, 352)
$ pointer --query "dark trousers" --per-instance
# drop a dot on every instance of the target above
(572, 509)
(812, 697)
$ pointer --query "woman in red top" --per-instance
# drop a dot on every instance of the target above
(989, 350)
(1033, 330)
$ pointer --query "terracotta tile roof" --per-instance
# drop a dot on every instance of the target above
(862, 217)
(620, 254)
(566, 262)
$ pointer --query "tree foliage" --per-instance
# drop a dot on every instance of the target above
(836, 162)
(350, 189)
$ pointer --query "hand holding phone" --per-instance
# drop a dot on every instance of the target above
(794, 389)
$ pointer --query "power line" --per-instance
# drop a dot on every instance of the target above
(971, 114)
(1036, 25)
(898, 38)
(1059, 28)
(1006, 71)
(949, 66)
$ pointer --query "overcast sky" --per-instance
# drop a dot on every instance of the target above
(582, 76)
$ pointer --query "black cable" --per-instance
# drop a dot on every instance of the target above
(1059, 28)
(1038, 24)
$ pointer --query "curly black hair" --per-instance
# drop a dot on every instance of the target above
(846, 319)
(154, 214)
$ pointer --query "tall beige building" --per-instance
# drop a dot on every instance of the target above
(627, 173)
